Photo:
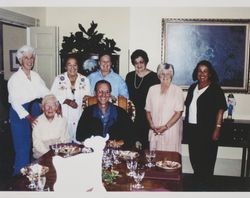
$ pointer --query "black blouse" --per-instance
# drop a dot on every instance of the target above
(138, 95)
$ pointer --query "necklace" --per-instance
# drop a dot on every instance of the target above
(137, 87)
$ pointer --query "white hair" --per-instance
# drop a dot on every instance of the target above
(25, 49)
(165, 66)
(50, 97)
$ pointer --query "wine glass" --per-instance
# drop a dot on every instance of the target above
(56, 147)
(150, 156)
(138, 176)
(115, 153)
(131, 165)
(69, 150)
(107, 159)
(32, 178)
(41, 180)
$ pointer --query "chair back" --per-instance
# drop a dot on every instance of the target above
(122, 102)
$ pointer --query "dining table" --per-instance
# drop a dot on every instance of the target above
(155, 179)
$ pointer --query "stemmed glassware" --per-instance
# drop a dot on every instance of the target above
(41, 180)
(150, 156)
(115, 152)
(32, 176)
(107, 158)
(131, 165)
(56, 148)
(68, 149)
(33, 172)
(138, 176)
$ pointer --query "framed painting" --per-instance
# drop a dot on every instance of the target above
(223, 42)
(13, 60)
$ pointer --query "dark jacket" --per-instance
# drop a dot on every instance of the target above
(208, 105)
(121, 129)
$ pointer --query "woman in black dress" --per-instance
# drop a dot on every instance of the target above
(205, 104)
(138, 82)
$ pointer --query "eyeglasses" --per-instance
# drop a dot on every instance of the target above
(139, 62)
(103, 92)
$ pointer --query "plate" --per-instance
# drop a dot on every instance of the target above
(128, 154)
(35, 169)
(69, 150)
(169, 165)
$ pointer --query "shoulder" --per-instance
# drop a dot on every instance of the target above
(121, 111)
(115, 75)
(155, 87)
(177, 88)
(192, 87)
(215, 87)
(93, 74)
(13, 77)
(61, 77)
(152, 73)
(33, 73)
(88, 110)
(40, 120)
(82, 78)
(130, 74)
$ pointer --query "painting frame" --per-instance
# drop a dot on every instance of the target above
(13, 60)
(223, 42)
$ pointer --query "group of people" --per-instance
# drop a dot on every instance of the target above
(159, 105)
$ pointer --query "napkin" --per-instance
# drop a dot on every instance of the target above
(82, 172)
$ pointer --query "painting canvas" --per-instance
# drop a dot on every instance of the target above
(224, 43)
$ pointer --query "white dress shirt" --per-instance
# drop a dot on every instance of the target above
(46, 133)
(22, 90)
(192, 118)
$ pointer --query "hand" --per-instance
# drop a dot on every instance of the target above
(71, 103)
(59, 110)
(32, 120)
(113, 99)
(216, 134)
(159, 130)
(85, 101)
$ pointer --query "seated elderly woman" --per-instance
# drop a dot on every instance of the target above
(104, 117)
(51, 128)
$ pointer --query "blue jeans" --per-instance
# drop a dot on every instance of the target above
(21, 136)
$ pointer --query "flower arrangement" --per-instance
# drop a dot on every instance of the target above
(85, 42)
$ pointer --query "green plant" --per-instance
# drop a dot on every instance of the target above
(110, 176)
(85, 42)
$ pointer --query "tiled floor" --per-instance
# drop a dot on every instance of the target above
(219, 183)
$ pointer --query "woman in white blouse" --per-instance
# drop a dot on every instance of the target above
(25, 89)
(50, 128)
(70, 88)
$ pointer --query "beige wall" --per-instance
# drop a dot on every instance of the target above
(145, 33)
(14, 37)
(132, 28)
(113, 22)
(138, 27)
(35, 12)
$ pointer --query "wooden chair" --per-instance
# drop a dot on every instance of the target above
(122, 102)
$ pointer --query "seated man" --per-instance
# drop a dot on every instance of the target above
(104, 117)
(50, 128)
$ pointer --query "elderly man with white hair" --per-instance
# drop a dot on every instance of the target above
(51, 128)
(25, 89)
